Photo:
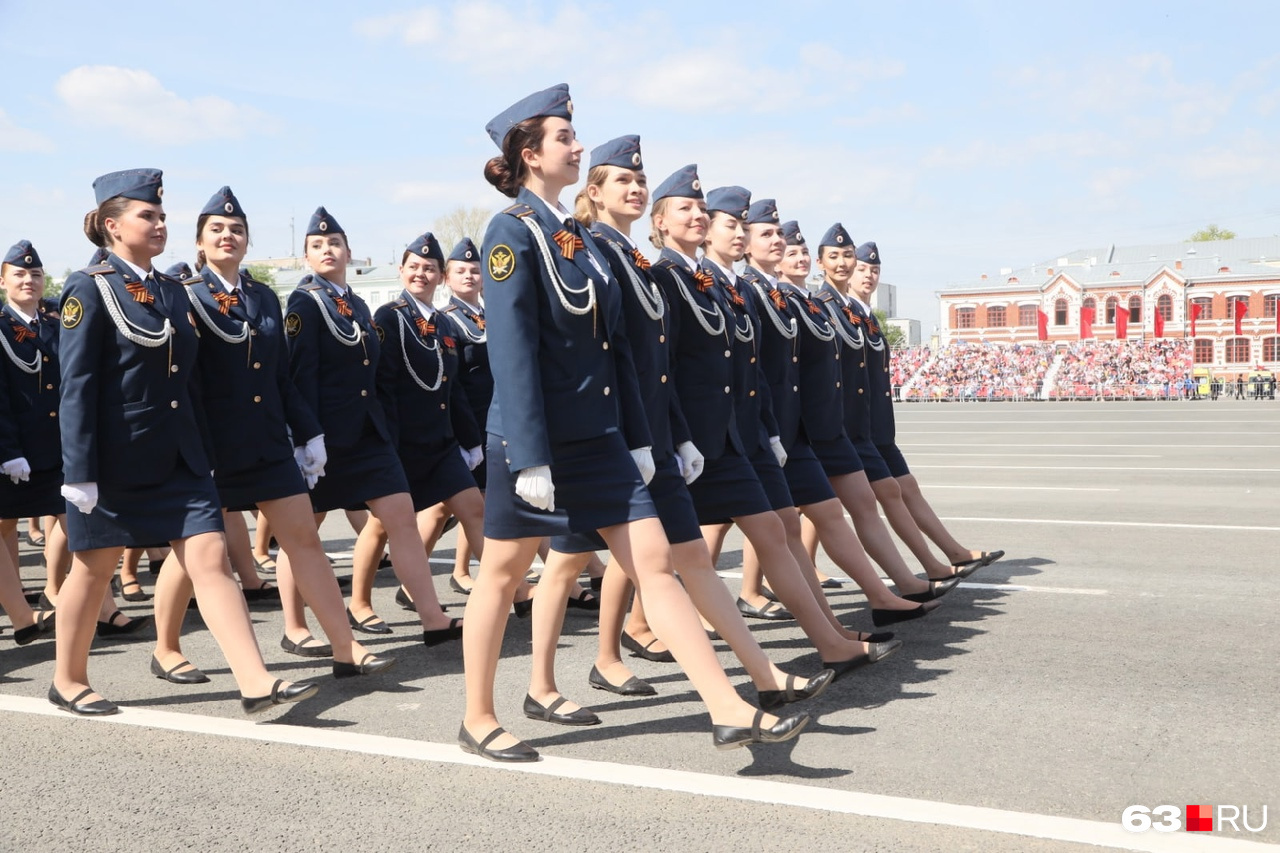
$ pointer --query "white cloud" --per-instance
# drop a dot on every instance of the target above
(20, 140)
(133, 99)
(420, 26)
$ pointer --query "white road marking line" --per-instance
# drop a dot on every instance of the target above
(1159, 524)
(1017, 587)
(1097, 833)
(933, 486)
(1153, 470)
(1005, 453)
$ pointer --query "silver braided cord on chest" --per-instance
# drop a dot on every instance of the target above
(406, 331)
(346, 339)
(766, 304)
(131, 331)
(208, 321)
(33, 367)
(563, 291)
(699, 313)
(650, 297)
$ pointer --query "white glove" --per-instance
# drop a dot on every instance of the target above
(775, 444)
(311, 480)
(18, 470)
(83, 496)
(534, 487)
(473, 457)
(644, 461)
(316, 456)
(690, 460)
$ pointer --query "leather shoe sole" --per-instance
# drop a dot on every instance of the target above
(772, 611)
(189, 676)
(292, 693)
(732, 737)
(633, 686)
(534, 710)
(519, 751)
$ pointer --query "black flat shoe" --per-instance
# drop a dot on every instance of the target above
(368, 665)
(292, 693)
(45, 603)
(815, 686)
(31, 633)
(597, 584)
(403, 599)
(370, 624)
(875, 637)
(31, 596)
(986, 559)
(35, 541)
(830, 583)
(153, 566)
(133, 626)
(631, 687)
(772, 611)
(877, 653)
(579, 601)
(522, 608)
(457, 587)
(937, 589)
(101, 708)
(534, 710)
(880, 618)
(518, 751)
(768, 593)
(189, 676)
(443, 635)
(632, 645)
(266, 592)
(302, 650)
(732, 737)
(138, 594)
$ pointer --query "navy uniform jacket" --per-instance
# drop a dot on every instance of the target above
(29, 383)
(333, 360)
(559, 376)
(879, 396)
(779, 354)
(251, 403)
(821, 380)
(412, 359)
(649, 339)
(475, 375)
(853, 362)
(701, 340)
(130, 412)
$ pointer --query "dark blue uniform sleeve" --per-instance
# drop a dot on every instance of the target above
(84, 325)
(301, 417)
(10, 436)
(465, 426)
(635, 422)
(302, 331)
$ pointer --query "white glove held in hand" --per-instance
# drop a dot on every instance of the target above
(473, 457)
(690, 461)
(534, 487)
(83, 496)
(644, 461)
(18, 470)
(775, 444)
(315, 456)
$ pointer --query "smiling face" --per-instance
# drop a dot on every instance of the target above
(836, 265)
(726, 238)
(795, 264)
(622, 196)
(420, 276)
(765, 245)
(224, 240)
(464, 280)
(22, 287)
(139, 233)
(327, 255)
(682, 222)
(558, 159)
(865, 278)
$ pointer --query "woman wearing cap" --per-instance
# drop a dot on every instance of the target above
(136, 468)
(569, 445)
(703, 336)
(256, 417)
(428, 414)
(334, 348)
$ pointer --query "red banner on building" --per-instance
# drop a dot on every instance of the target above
(1087, 316)
(1159, 324)
(1122, 323)
(1042, 325)
(1241, 309)
(1196, 310)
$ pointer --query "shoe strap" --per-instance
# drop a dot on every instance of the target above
(791, 687)
(755, 725)
(550, 710)
(491, 737)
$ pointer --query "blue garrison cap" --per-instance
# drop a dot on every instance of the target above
(623, 151)
(99, 256)
(836, 236)
(179, 271)
(139, 184)
(683, 184)
(427, 246)
(465, 251)
(23, 254)
(731, 200)
(763, 212)
(791, 233)
(868, 253)
(549, 102)
(224, 203)
(322, 223)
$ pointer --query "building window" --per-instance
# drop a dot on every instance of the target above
(1204, 351)
(964, 318)
(1206, 310)
(1027, 315)
(1091, 304)
(996, 316)
(1060, 312)
(1135, 309)
(1164, 305)
(1237, 351)
(1112, 302)
(1271, 349)
(1269, 304)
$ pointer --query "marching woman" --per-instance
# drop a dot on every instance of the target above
(135, 452)
(569, 446)
(255, 418)
(428, 415)
(333, 355)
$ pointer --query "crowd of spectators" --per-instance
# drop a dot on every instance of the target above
(1123, 368)
(983, 371)
(906, 362)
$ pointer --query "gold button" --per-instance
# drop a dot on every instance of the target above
(726, 389)
(862, 364)
(254, 333)
(727, 353)
(753, 359)
(53, 414)
(797, 387)
(859, 390)
(48, 387)
(605, 345)
(837, 384)
(366, 362)
(662, 339)
(443, 405)
(794, 359)
(46, 358)
(751, 393)
(257, 399)
(173, 404)
(173, 368)
(606, 390)
(886, 393)
(364, 393)
(504, 442)
(664, 379)
(257, 365)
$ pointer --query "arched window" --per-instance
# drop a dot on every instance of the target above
(1206, 307)
(1135, 309)
(1237, 351)
(996, 316)
(1271, 349)
(1269, 304)
(964, 318)
(1204, 351)
(1026, 315)
(1091, 304)
(1112, 302)
(1060, 312)
(1164, 305)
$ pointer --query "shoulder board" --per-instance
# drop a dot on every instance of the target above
(665, 263)
(98, 270)
(399, 303)
(448, 308)
(519, 210)
(195, 279)
(248, 280)
(822, 295)
(311, 287)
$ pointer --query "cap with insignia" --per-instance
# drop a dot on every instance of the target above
(427, 246)
(322, 223)
(791, 233)
(868, 253)
(23, 254)
(179, 271)
(138, 184)
(465, 251)
(836, 236)
(224, 203)
(623, 152)
(549, 102)
(683, 183)
(763, 212)
(731, 200)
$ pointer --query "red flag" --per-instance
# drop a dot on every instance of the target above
(1042, 325)
(1197, 308)
(1159, 324)
(1122, 323)
(1087, 316)
(1241, 310)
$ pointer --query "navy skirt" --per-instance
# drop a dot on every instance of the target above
(357, 474)
(40, 495)
(597, 485)
(436, 472)
(837, 456)
(269, 481)
(772, 478)
(894, 459)
(872, 461)
(183, 504)
(728, 489)
(806, 477)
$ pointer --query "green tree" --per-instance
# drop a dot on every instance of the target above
(262, 273)
(892, 334)
(1212, 232)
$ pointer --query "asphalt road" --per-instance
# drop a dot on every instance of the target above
(1123, 653)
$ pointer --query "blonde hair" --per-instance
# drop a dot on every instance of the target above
(659, 209)
(585, 210)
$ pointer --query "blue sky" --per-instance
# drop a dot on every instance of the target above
(962, 137)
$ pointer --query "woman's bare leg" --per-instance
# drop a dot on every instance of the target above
(79, 601)
(855, 494)
(930, 524)
(370, 545)
(240, 550)
(559, 575)
(843, 547)
(57, 554)
(408, 559)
